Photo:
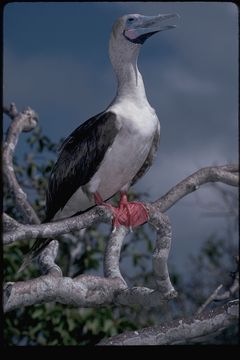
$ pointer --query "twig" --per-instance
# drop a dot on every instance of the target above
(216, 296)
(211, 298)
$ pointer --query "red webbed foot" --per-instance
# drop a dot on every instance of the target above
(129, 214)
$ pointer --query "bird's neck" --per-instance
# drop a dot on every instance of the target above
(130, 81)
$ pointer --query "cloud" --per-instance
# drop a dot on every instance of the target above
(189, 83)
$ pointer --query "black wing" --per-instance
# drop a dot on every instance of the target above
(79, 159)
(150, 158)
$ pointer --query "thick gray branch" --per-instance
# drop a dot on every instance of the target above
(83, 291)
(227, 174)
(160, 256)
(201, 328)
(112, 253)
(23, 121)
(54, 229)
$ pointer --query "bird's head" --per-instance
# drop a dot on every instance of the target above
(130, 31)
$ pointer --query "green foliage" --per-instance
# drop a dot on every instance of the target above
(56, 324)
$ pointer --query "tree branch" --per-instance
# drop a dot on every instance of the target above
(83, 291)
(227, 174)
(46, 260)
(21, 122)
(11, 111)
(122, 294)
(231, 291)
(211, 298)
(224, 174)
(56, 228)
(160, 256)
(200, 328)
(112, 253)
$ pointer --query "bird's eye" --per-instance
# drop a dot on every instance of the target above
(131, 19)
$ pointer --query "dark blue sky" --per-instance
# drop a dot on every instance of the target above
(56, 61)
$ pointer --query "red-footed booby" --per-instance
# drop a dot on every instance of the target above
(110, 151)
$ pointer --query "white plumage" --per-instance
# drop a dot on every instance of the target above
(112, 150)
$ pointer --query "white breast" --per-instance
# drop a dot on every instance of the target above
(129, 150)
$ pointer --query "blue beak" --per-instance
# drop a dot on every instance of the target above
(145, 26)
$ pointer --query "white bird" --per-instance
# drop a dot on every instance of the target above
(110, 151)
